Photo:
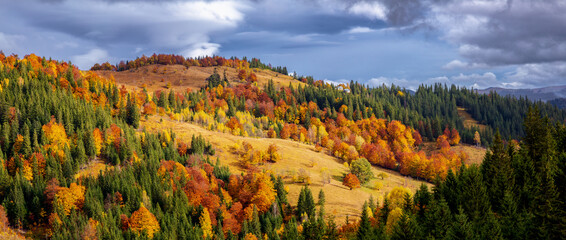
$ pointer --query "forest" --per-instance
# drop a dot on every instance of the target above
(55, 119)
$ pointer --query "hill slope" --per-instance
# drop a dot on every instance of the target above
(182, 79)
(294, 156)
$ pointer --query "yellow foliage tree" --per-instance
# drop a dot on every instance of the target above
(56, 137)
(205, 224)
(264, 192)
(250, 236)
(18, 143)
(70, 198)
(98, 140)
(393, 217)
(397, 196)
(274, 156)
(143, 220)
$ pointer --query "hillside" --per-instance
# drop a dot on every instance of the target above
(340, 200)
(83, 158)
(182, 79)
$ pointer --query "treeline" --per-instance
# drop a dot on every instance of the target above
(558, 102)
(515, 193)
(256, 63)
(172, 59)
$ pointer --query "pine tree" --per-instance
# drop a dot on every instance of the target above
(331, 232)
(497, 172)
(372, 205)
(132, 113)
(309, 203)
(461, 228)
(422, 200)
(281, 193)
(16, 205)
(406, 228)
(255, 225)
(214, 79)
(321, 198)
(437, 219)
(26, 148)
(511, 222)
(290, 232)
(364, 230)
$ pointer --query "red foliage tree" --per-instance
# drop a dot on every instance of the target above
(351, 181)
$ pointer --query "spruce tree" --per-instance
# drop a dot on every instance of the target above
(406, 228)
(132, 113)
(437, 219)
(461, 228)
(255, 226)
(364, 230)
(290, 232)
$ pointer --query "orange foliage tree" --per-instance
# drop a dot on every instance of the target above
(143, 220)
(272, 153)
(56, 137)
(70, 198)
(454, 137)
(98, 140)
(351, 181)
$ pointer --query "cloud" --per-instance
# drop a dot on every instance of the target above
(356, 30)
(457, 64)
(503, 32)
(336, 82)
(85, 61)
(475, 80)
(371, 10)
(9, 42)
(379, 81)
(540, 74)
(125, 27)
(201, 50)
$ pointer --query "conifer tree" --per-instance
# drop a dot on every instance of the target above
(461, 228)
(364, 230)
(132, 113)
(290, 232)
(437, 219)
(255, 225)
(406, 228)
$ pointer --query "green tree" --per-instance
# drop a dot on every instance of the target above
(132, 113)
(362, 169)
(406, 228)
(461, 228)
(214, 79)
(365, 229)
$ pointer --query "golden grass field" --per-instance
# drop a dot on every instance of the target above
(157, 77)
(92, 168)
(340, 201)
(469, 121)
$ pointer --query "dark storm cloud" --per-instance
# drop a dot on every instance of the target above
(506, 32)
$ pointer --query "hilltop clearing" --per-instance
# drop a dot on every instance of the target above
(469, 121)
(181, 78)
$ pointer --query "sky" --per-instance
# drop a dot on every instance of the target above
(470, 43)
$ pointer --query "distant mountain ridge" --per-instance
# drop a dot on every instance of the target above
(545, 94)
